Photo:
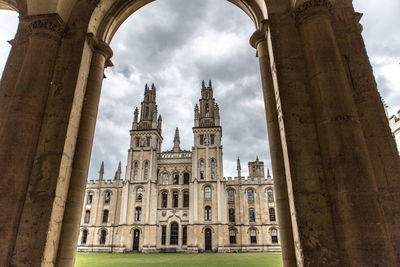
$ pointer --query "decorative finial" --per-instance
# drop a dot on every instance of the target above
(209, 83)
(177, 141)
(203, 85)
(101, 171)
(268, 174)
(146, 87)
(118, 172)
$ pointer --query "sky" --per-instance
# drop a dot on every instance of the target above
(176, 44)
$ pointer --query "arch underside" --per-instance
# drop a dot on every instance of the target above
(109, 15)
(8, 5)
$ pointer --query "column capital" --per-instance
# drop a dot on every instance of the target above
(260, 34)
(311, 8)
(50, 26)
(100, 47)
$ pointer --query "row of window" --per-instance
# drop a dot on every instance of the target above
(207, 139)
(175, 199)
(207, 194)
(212, 169)
(174, 235)
(175, 178)
(137, 141)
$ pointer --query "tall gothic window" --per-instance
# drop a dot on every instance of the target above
(231, 215)
(207, 213)
(137, 141)
(212, 169)
(103, 237)
(176, 178)
(201, 139)
(201, 169)
(165, 178)
(207, 192)
(138, 214)
(270, 195)
(207, 111)
(164, 199)
(163, 234)
(139, 194)
(186, 199)
(107, 197)
(147, 113)
(253, 236)
(146, 170)
(184, 235)
(274, 236)
(175, 198)
(186, 178)
(84, 237)
(87, 216)
(148, 141)
(231, 196)
(232, 236)
(89, 198)
(212, 139)
(105, 216)
(135, 170)
(174, 235)
(272, 214)
(252, 216)
(250, 195)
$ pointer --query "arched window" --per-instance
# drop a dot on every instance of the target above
(232, 236)
(147, 113)
(231, 196)
(138, 213)
(207, 192)
(84, 237)
(207, 111)
(212, 169)
(89, 198)
(135, 171)
(250, 195)
(164, 199)
(105, 216)
(186, 178)
(103, 237)
(186, 199)
(146, 170)
(148, 141)
(252, 216)
(176, 178)
(184, 235)
(274, 236)
(165, 178)
(207, 213)
(137, 141)
(174, 235)
(253, 236)
(87, 216)
(175, 199)
(272, 217)
(139, 194)
(201, 169)
(270, 195)
(163, 234)
(231, 215)
(107, 197)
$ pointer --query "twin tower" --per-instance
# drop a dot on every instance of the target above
(178, 200)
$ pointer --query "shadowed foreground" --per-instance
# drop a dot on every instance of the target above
(176, 259)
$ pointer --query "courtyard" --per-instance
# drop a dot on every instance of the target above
(178, 259)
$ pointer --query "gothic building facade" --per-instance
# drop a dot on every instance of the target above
(179, 200)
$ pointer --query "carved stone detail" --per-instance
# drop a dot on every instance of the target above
(48, 25)
(312, 7)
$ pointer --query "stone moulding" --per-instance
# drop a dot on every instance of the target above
(312, 7)
(48, 25)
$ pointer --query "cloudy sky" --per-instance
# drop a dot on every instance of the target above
(175, 44)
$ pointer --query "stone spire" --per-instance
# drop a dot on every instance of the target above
(118, 172)
(268, 174)
(101, 171)
(239, 168)
(177, 141)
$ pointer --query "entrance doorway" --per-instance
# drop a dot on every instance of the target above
(208, 239)
(136, 235)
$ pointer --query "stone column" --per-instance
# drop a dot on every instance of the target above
(21, 120)
(259, 41)
(76, 193)
(349, 177)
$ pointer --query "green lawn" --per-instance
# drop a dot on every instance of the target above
(179, 259)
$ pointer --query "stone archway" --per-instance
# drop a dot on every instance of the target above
(334, 160)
